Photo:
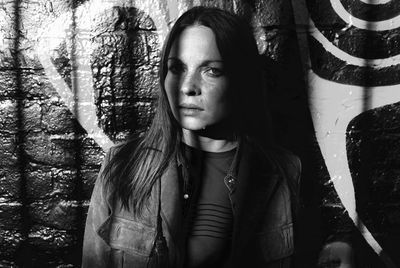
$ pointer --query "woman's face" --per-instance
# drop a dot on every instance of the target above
(196, 83)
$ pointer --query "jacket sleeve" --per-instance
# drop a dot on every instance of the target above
(292, 169)
(95, 250)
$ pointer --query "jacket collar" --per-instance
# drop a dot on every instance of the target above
(254, 177)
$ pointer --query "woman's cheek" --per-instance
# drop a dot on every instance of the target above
(171, 90)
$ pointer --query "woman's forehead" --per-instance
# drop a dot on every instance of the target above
(195, 42)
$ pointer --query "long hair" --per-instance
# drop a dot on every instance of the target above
(138, 163)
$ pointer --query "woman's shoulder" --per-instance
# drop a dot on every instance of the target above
(289, 165)
(124, 154)
(280, 157)
(287, 158)
(115, 155)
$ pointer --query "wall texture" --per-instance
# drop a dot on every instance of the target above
(350, 53)
(77, 76)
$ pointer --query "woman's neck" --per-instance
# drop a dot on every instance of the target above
(207, 144)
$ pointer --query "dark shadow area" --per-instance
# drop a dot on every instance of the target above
(75, 254)
(24, 254)
(125, 71)
(294, 130)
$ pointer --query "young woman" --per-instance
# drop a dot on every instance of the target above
(203, 187)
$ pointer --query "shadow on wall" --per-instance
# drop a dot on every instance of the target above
(125, 70)
(44, 192)
(293, 128)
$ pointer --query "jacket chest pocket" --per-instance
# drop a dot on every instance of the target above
(131, 242)
(277, 243)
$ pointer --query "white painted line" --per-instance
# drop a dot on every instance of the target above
(376, 2)
(384, 25)
(58, 31)
(350, 59)
(333, 106)
(84, 106)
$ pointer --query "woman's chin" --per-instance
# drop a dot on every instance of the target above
(194, 127)
(191, 123)
(210, 129)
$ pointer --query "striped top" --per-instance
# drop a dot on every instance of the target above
(212, 220)
(209, 218)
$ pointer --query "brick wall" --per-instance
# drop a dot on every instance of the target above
(106, 53)
(48, 162)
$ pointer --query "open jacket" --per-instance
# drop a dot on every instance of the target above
(262, 204)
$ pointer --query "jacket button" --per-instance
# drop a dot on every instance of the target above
(185, 196)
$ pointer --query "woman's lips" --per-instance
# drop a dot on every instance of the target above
(190, 106)
(189, 109)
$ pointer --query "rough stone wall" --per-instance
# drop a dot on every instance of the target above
(48, 163)
(50, 152)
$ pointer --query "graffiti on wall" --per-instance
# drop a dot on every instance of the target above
(75, 28)
(335, 98)
(352, 67)
(352, 64)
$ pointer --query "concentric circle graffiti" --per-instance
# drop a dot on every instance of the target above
(353, 61)
(362, 47)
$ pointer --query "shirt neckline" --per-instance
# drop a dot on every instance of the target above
(213, 155)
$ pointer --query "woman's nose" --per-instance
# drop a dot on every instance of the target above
(191, 84)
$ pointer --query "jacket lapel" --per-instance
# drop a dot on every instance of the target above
(171, 209)
(257, 179)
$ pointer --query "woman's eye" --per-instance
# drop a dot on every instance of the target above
(175, 68)
(214, 72)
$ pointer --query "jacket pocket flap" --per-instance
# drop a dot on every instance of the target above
(127, 235)
(277, 243)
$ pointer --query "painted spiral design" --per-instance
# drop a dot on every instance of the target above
(356, 42)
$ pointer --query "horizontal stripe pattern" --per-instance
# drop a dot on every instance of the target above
(212, 220)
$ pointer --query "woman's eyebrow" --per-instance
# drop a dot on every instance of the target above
(203, 62)
(212, 61)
